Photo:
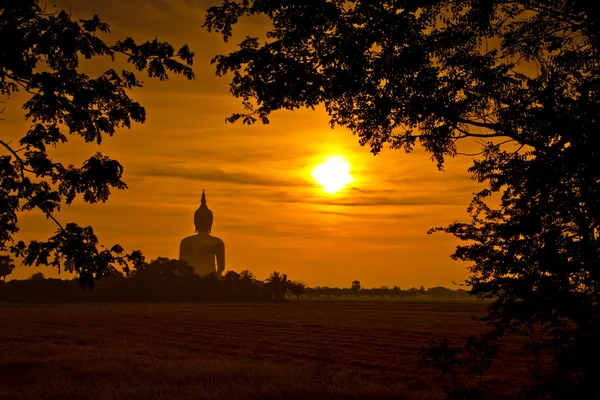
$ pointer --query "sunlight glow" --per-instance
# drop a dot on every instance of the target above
(333, 174)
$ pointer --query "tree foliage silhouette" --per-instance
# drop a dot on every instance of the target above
(522, 78)
(277, 285)
(37, 276)
(41, 57)
(164, 269)
(230, 283)
(355, 288)
(6, 266)
(296, 288)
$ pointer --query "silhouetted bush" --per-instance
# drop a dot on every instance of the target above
(166, 280)
(161, 280)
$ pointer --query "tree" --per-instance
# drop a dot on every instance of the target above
(277, 285)
(440, 291)
(522, 78)
(297, 289)
(42, 59)
(248, 290)
(230, 284)
(231, 276)
(37, 276)
(6, 266)
(355, 288)
(383, 291)
(164, 269)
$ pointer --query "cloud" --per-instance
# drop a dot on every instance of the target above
(373, 216)
(269, 189)
(215, 175)
(241, 154)
(378, 200)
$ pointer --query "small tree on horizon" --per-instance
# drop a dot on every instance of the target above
(277, 285)
(247, 285)
(37, 276)
(297, 289)
(247, 275)
(355, 288)
(6, 266)
(231, 275)
(230, 282)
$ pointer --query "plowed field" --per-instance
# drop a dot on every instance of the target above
(376, 341)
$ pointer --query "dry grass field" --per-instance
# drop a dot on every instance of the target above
(306, 350)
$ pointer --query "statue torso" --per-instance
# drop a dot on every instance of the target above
(200, 251)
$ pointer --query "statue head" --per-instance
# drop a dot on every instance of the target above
(203, 218)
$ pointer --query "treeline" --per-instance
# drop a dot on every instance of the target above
(165, 280)
(385, 292)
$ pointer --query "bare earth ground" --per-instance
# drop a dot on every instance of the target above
(306, 350)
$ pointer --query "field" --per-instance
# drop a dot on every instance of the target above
(305, 350)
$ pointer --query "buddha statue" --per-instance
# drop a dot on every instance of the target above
(201, 250)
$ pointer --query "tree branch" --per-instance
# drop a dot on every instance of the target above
(14, 153)
(21, 82)
(23, 169)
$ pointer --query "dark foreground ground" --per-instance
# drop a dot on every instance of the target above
(306, 350)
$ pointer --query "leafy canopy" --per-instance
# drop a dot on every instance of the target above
(41, 55)
(521, 77)
(400, 71)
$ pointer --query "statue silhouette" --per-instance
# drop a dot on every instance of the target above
(201, 250)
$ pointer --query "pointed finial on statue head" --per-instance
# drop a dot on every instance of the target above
(203, 201)
(203, 218)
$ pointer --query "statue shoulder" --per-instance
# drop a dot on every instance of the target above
(187, 240)
(218, 241)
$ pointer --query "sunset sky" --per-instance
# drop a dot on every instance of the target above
(267, 207)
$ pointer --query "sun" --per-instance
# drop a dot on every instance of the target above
(333, 174)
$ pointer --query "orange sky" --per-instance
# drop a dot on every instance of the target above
(268, 210)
